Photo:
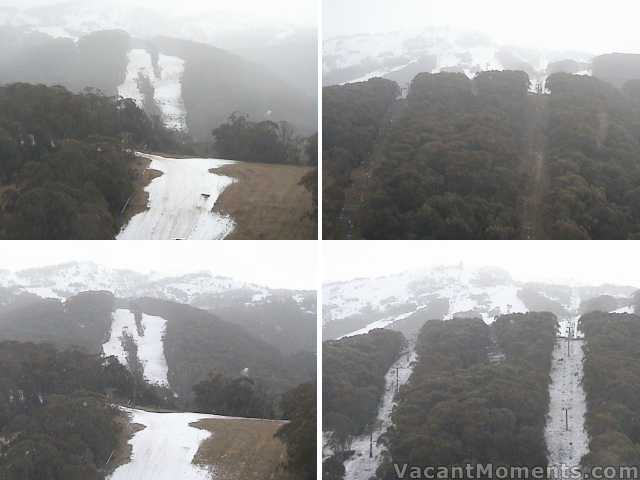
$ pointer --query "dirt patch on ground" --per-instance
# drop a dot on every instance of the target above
(142, 176)
(242, 449)
(267, 202)
(122, 454)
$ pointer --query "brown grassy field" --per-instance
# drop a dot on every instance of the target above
(267, 202)
(243, 449)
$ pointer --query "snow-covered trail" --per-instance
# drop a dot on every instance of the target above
(567, 400)
(165, 448)
(181, 202)
(150, 344)
(360, 466)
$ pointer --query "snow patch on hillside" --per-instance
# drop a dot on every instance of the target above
(167, 85)
(627, 309)
(168, 92)
(165, 448)
(181, 202)
(150, 343)
(139, 65)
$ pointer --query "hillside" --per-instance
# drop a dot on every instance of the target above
(197, 446)
(192, 86)
(167, 344)
(68, 407)
(265, 312)
(482, 158)
(404, 301)
(401, 55)
(67, 161)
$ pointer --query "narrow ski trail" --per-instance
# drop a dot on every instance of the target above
(565, 434)
(360, 466)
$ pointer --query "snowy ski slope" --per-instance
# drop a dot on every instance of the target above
(181, 201)
(165, 448)
(360, 466)
(166, 83)
(567, 446)
(150, 344)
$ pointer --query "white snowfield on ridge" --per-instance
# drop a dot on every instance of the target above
(165, 448)
(482, 292)
(181, 202)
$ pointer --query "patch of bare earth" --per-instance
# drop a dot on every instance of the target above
(122, 454)
(267, 202)
(142, 177)
(242, 449)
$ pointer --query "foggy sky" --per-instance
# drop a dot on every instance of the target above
(276, 264)
(294, 12)
(595, 27)
(581, 262)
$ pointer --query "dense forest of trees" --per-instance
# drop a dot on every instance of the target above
(465, 403)
(233, 397)
(299, 406)
(455, 159)
(612, 387)
(593, 152)
(352, 119)
(56, 421)
(263, 142)
(353, 381)
(450, 167)
(65, 169)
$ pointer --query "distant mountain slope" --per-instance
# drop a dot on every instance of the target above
(194, 87)
(435, 49)
(617, 68)
(404, 301)
(283, 318)
(166, 343)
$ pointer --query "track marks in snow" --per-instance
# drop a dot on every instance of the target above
(181, 202)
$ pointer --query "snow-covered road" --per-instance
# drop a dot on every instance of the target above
(181, 202)
(360, 466)
(567, 402)
(165, 448)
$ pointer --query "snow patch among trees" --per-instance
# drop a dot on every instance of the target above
(149, 342)
(166, 82)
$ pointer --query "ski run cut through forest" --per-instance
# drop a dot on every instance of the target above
(181, 202)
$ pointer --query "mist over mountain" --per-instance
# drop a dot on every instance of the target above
(199, 66)
(406, 300)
